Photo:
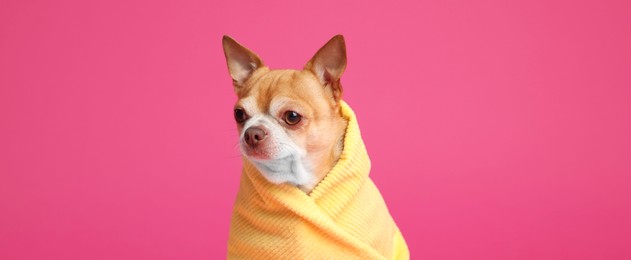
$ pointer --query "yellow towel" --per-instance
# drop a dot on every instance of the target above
(344, 217)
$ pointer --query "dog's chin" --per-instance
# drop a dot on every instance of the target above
(282, 167)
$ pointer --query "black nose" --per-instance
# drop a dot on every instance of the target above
(254, 135)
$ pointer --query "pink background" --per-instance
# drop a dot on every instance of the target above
(497, 129)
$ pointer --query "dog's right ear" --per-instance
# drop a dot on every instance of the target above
(241, 61)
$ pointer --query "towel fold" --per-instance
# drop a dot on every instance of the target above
(344, 217)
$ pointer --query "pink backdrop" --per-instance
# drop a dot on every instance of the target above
(497, 129)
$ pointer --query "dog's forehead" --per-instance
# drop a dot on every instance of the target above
(270, 91)
(252, 106)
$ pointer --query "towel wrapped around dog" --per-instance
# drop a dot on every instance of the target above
(344, 217)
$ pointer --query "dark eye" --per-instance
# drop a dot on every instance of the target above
(292, 118)
(239, 115)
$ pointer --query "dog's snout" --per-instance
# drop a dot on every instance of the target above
(254, 135)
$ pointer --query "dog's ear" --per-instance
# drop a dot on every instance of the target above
(241, 61)
(329, 63)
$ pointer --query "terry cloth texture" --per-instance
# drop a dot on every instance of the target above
(344, 217)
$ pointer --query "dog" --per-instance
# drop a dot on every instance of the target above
(294, 130)
(289, 121)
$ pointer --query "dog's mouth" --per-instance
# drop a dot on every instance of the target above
(257, 153)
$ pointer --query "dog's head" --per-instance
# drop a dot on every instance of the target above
(289, 120)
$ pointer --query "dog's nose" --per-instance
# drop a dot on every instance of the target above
(254, 135)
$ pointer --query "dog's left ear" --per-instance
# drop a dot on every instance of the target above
(329, 63)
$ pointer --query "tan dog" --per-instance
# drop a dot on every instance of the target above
(289, 120)
(295, 131)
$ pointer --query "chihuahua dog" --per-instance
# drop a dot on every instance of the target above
(294, 129)
(289, 121)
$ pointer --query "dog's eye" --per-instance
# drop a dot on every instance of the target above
(239, 115)
(292, 118)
